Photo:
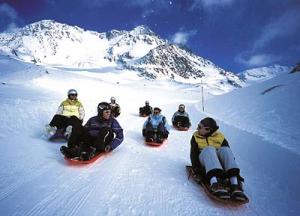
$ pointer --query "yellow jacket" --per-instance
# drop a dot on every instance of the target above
(71, 108)
(214, 140)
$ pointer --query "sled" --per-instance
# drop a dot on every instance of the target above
(155, 144)
(200, 180)
(143, 115)
(76, 161)
(58, 136)
(181, 128)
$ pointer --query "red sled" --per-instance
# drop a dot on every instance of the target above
(156, 144)
(143, 115)
(181, 128)
(76, 161)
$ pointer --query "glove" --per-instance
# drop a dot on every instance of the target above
(107, 148)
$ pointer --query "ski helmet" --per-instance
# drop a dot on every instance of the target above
(72, 92)
(181, 106)
(112, 99)
(102, 107)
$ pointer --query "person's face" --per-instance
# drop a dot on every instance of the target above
(181, 109)
(106, 114)
(156, 112)
(73, 96)
(203, 130)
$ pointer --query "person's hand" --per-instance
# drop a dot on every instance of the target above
(107, 148)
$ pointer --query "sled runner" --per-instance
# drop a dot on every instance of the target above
(77, 161)
(58, 136)
(200, 180)
(181, 128)
(156, 144)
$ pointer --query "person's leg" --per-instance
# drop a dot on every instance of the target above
(228, 161)
(59, 121)
(78, 132)
(104, 138)
(149, 132)
(185, 122)
(209, 160)
(232, 171)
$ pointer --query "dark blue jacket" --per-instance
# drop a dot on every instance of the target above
(95, 124)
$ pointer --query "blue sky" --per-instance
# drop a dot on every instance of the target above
(234, 34)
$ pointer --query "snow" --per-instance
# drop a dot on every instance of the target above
(136, 179)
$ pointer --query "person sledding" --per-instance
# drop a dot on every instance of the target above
(68, 117)
(146, 110)
(101, 133)
(155, 128)
(211, 155)
(181, 118)
(115, 108)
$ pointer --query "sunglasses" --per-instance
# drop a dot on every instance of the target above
(75, 95)
(155, 112)
(205, 128)
(107, 112)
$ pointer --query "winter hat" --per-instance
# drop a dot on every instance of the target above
(210, 122)
(157, 108)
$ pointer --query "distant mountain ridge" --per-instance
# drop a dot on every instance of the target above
(257, 75)
(55, 44)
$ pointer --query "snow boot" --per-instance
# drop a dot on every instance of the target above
(84, 156)
(219, 191)
(50, 131)
(68, 131)
(237, 193)
(64, 150)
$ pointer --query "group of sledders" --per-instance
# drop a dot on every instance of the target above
(211, 157)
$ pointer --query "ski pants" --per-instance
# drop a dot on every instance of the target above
(84, 140)
(61, 121)
(219, 162)
(181, 121)
(160, 130)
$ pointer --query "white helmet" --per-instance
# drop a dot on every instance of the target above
(112, 99)
(72, 92)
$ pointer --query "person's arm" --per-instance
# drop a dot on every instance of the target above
(225, 143)
(60, 109)
(118, 130)
(194, 154)
(81, 112)
(173, 117)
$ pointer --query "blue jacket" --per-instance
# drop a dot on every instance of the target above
(155, 120)
(95, 124)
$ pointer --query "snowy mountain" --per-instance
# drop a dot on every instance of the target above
(261, 74)
(50, 43)
(261, 123)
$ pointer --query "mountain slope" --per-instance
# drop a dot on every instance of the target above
(269, 109)
(50, 43)
(134, 179)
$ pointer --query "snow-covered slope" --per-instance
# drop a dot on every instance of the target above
(269, 109)
(51, 43)
(136, 179)
(261, 74)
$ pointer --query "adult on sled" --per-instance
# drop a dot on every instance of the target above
(101, 133)
(210, 151)
(115, 108)
(181, 118)
(155, 128)
(146, 110)
(69, 115)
